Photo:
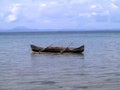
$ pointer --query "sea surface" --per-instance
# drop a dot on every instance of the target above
(98, 68)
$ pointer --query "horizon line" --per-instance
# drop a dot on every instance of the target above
(60, 30)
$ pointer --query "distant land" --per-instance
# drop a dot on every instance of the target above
(25, 29)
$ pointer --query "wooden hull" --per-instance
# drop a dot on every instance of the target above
(61, 50)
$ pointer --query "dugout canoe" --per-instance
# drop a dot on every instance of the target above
(56, 49)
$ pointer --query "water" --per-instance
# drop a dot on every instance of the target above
(97, 69)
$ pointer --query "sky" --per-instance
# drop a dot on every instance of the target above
(60, 14)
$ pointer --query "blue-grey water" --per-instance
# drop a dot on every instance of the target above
(97, 69)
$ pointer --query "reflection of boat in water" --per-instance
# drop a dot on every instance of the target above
(57, 49)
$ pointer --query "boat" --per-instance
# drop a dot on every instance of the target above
(57, 49)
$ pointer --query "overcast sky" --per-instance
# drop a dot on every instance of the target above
(60, 14)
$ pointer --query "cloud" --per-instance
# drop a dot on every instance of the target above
(78, 1)
(85, 14)
(14, 8)
(13, 12)
(39, 13)
(12, 18)
(114, 6)
(93, 6)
